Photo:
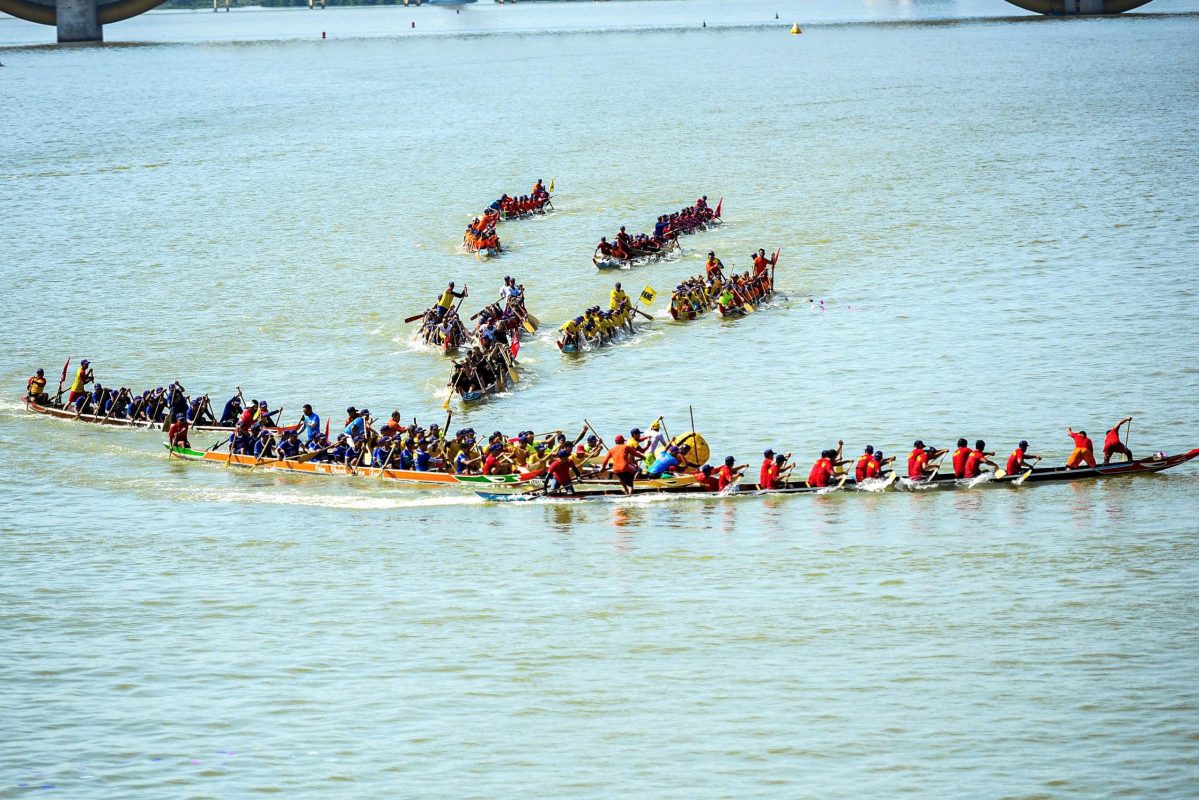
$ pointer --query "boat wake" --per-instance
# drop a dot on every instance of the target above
(296, 498)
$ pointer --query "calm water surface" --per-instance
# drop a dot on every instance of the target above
(997, 211)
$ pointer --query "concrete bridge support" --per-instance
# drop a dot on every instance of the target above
(79, 21)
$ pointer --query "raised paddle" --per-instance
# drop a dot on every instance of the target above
(452, 385)
(1127, 439)
(415, 317)
(642, 313)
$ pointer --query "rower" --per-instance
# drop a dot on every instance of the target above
(713, 267)
(264, 445)
(83, 376)
(874, 468)
(1018, 460)
(705, 478)
(35, 387)
(1111, 443)
(1084, 450)
(766, 472)
(232, 411)
(919, 466)
(617, 298)
(862, 465)
(558, 474)
(290, 447)
(821, 474)
(177, 434)
(960, 456)
(668, 462)
(730, 473)
(447, 300)
(978, 456)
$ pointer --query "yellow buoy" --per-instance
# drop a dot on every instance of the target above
(795, 28)
(700, 452)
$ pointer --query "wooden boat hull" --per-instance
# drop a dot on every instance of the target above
(340, 470)
(99, 419)
(605, 263)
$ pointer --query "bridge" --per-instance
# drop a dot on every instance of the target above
(84, 20)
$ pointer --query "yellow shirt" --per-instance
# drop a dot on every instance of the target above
(78, 383)
(447, 299)
(616, 298)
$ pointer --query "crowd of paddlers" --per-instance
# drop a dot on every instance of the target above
(626, 247)
(526, 205)
(597, 327)
(730, 295)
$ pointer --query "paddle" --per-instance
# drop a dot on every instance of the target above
(1127, 439)
(229, 458)
(1024, 475)
(113, 407)
(452, 385)
(386, 461)
(512, 373)
(218, 444)
(415, 317)
(271, 439)
(642, 313)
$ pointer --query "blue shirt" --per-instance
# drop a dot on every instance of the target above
(406, 460)
(289, 448)
(664, 464)
(379, 456)
(312, 425)
(422, 461)
(356, 428)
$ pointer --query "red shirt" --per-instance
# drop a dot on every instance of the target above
(246, 417)
(491, 464)
(974, 463)
(1015, 461)
(873, 470)
(860, 469)
(959, 461)
(1113, 437)
(1083, 442)
(916, 461)
(821, 473)
(177, 432)
(711, 483)
(724, 477)
(768, 475)
(560, 469)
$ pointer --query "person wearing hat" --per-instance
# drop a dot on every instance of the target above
(290, 446)
(177, 433)
(1018, 460)
(821, 474)
(617, 297)
(495, 463)
(706, 477)
(356, 423)
(264, 445)
(920, 467)
(558, 473)
(232, 411)
(83, 376)
(767, 472)
(623, 459)
(729, 473)
(35, 387)
(978, 457)
(668, 463)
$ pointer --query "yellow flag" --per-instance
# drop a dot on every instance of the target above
(551, 185)
(648, 294)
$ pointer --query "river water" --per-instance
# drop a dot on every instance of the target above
(988, 224)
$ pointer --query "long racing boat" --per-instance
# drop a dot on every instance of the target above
(59, 412)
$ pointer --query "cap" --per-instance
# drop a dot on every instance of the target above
(918, 443)
(1023, 444)
(580, 449)
(85, 361)
(769, 452)
(619, 439)
(655, 426)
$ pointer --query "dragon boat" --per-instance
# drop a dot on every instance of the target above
(58, 412)
(329, 469)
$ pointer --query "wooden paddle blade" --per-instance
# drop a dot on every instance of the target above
(536, 322)
(748, 308)
(414, 318)
(529, 326)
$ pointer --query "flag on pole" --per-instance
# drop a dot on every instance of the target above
(647, 295)
(551, 185)
(514, 348)
(64, 371)
(718, 205)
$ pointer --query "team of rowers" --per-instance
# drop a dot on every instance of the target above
(480, 236)
(442, 326)
(732, 294)
(525, 205)
(668, 228)
(395, 445)
(597, 327)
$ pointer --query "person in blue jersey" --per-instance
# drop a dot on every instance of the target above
(356, 424)
(290, 447)
(408, 455)
(667, 463)
(356, 453)
(310, 423)
(264, 445)
(337, 453)
(384, 452)
(232, 411)
(424, 460)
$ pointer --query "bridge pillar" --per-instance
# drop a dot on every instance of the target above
(78, 21)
